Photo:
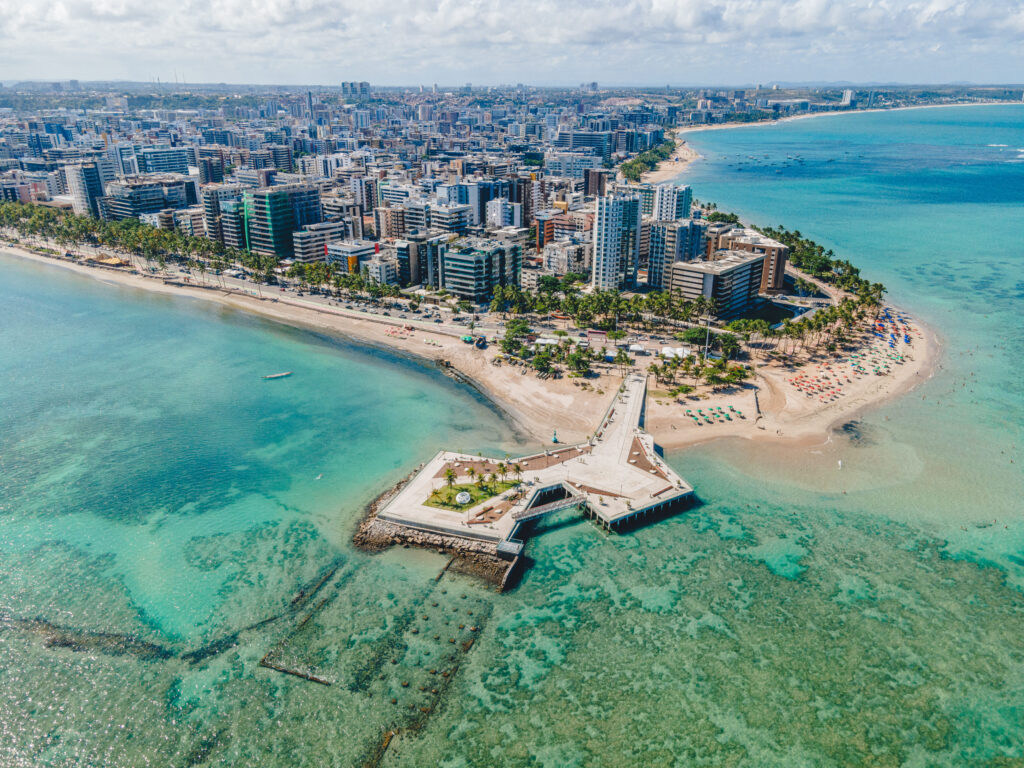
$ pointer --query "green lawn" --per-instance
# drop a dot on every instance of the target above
(445, 498)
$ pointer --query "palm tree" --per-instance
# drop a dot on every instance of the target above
(449, 478)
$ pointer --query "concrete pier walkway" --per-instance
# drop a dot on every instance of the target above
(616, 478)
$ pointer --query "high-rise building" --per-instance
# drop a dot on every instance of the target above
(211, 170)
(256, 178)
(407, 252)
(545, 222)
(473, 268)
(595, 182)
(364, 192)
(451, 218)
(131, 197)
(281, 157)
(86, 182)
(671, 202)
(417, 215)
(669, 242)
(616, 242)
(272, 214)
(502, 213)
(431, 256)
(382, 269)
(232, 223)
(213, 197)
(389, 222)
(355, 88)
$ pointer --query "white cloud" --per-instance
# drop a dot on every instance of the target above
(451, 41)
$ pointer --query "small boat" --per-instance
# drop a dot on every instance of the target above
(278, 375)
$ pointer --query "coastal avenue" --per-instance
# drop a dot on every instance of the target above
(617, 477)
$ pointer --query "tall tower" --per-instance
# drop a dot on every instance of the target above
(616, 242)
(672, 203)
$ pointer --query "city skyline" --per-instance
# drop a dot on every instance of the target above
(717, 42)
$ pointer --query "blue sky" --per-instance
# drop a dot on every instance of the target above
(394, 42)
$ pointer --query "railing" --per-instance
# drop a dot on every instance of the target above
(543, 509)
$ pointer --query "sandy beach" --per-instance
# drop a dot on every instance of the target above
(673, 166)
(775, 406)
(838, 113)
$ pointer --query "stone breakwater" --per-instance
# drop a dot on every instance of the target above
(468, 556)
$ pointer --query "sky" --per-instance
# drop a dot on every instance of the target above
(489, 42)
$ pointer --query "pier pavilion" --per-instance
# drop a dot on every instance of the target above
(616, 479)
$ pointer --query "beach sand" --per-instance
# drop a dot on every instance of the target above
(669, 169)
(773, 408)
(679, 132)
(779, 407)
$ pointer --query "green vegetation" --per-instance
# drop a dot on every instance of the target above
(717, 374)
(481, 490)
(719, 216)
(152, 249)
(149, 248)
(807, 256)
(324, 275)
(647, 161)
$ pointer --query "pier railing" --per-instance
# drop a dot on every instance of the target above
(544, 509)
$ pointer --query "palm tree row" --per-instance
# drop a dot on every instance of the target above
(326, 275)
(603, 309)
(814, 259)
(131, 238)
(138, 241)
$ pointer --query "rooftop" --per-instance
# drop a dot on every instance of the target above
(724, 262)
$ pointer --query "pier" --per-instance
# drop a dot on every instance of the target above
(617, 479)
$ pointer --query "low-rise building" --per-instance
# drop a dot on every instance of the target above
(382, 269)
(776, 254)
(310, 242)
(572, 165)
(733, 281)
(350, 255)
(568, 255)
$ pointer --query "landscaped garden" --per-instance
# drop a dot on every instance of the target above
(445, 498)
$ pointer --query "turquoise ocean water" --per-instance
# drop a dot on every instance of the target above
(160, 517)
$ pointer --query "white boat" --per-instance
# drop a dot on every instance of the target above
(278, 375)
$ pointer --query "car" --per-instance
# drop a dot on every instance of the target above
(437, 319)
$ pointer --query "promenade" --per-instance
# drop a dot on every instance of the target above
(616, 478)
